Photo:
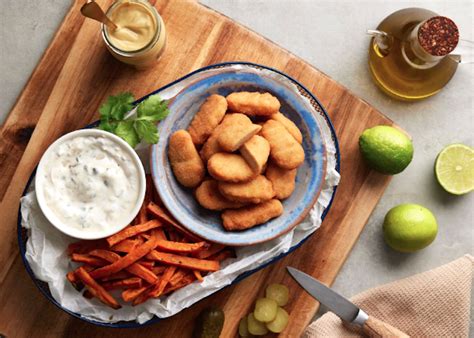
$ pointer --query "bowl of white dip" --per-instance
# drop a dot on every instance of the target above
(90, 184)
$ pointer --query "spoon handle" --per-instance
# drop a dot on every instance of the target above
(93, 11)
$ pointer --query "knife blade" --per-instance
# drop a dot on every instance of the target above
(346, 310)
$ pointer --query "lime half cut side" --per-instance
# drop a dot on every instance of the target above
(454, 169)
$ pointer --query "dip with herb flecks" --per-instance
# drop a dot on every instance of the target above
(90, 182)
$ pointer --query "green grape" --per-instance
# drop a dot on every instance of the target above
(278, 292)
(243, 327)
(255, 327)
(265, 309)
(280, 322)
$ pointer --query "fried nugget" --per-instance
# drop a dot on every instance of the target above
(185, 161)
(207, 118)
(248, 217)
(253, 103)
(284, 150)
(289, 125)
(256, 151)
(229, 167)
(236, 132)
(209, 197)
(255, 191)
(211, 146)
(283, 180)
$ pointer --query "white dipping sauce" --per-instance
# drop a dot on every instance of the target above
(90, 183)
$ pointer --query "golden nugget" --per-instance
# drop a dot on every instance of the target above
(209, 197)
(238, 130)
(185, 161)
(212, 146)
(229, 167)
(256, 151)
(253, 103)
(207, 118)
(284, 149)
(289, 125)
(283, 180)
(255, 191)
(250, 216)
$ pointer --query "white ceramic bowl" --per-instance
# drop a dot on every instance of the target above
(88, 233)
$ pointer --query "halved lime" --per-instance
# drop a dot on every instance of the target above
(454, 169)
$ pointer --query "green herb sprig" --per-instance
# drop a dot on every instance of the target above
(134, 129)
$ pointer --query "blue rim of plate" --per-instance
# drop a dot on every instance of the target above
(43, 286)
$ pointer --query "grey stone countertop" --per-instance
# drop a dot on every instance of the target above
(331, 36)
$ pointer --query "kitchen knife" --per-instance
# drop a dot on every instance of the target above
(346, 310)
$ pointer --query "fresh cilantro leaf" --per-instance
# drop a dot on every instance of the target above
(109, 126)
(135, 128)
(126, 130)
(147, 131)
(153, 109)
(116, 106)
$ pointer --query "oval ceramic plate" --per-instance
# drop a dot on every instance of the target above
(168, 91)
(294, 104)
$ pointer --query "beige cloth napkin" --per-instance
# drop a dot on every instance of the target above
(435, 303)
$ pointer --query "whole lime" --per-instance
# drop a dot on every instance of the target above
(386, 149)
(409, 227)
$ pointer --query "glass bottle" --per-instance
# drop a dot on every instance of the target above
(400, 65)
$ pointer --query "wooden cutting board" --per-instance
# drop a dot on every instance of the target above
(76, 74)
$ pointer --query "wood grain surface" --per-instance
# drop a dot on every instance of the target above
(76, 74)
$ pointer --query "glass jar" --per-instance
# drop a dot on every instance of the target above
(146, 54)
(399, 64)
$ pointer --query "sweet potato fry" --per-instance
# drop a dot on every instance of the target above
(88, 259)
(159, 287)
(126, 245)
(174, 236)
(130, 294)
(126, 261)
(87, 294)
(221, 255)
(162, 215)
(96, 289)
(134, 268)
(198, 275)
(143, 296)
(74, 280)
(211, 250)
(142, 215)
(119, 275)
(132, 231)
(147, 264)
(178, 275)
(83, 247)
(185, 262)
(170, 246)
(188, 279)
(158, 269)
(129, 283)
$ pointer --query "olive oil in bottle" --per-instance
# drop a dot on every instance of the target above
(408, 56)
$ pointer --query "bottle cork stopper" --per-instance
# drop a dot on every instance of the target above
(438, 36)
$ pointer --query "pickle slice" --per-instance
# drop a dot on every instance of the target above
(280, 322)
(265, 309)
(278, 292)
(256, 327)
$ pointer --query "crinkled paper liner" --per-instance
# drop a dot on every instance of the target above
(46, 246)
